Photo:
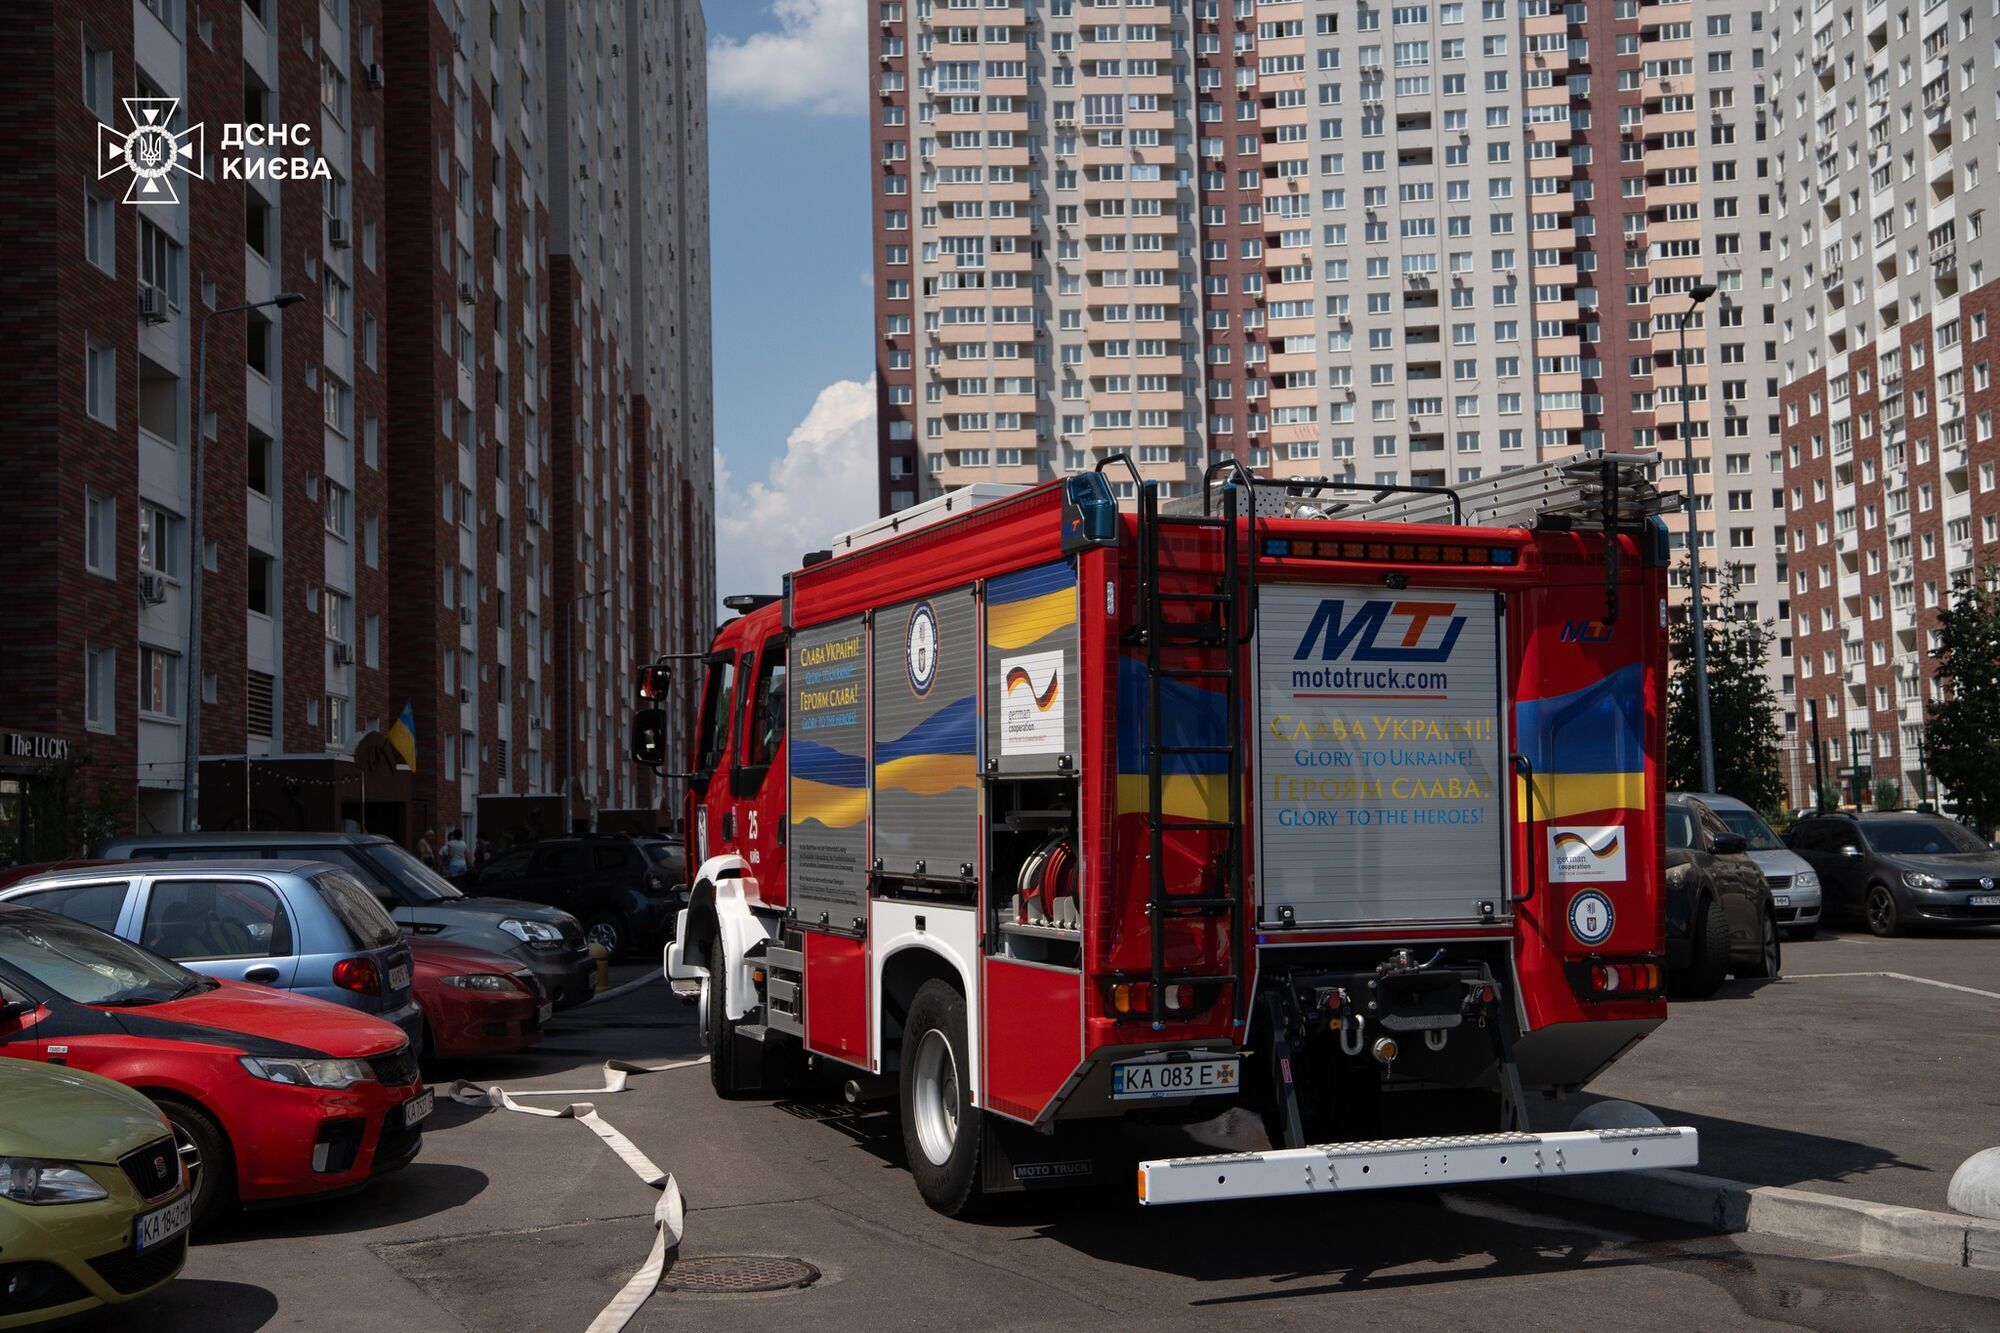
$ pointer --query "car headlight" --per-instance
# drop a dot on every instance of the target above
(531, 932)
(1917, 879)
(1806, 879)
(308, 1073)
(482, 981)
(34, 1180)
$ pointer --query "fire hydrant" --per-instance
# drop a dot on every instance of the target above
(602, 957)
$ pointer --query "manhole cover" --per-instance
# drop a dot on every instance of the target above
(734, 1274)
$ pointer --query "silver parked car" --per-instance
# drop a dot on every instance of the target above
(301, 926)
(1795, 889)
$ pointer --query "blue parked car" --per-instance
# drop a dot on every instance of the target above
(302, 926)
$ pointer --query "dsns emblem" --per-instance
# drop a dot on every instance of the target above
(920, 648)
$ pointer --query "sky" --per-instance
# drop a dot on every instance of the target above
(789, 183)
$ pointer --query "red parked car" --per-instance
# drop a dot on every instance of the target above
(272, 1096)
(474, 1002)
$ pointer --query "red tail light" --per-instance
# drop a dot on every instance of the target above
(357, 974)
(1624, 978)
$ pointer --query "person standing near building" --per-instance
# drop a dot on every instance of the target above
(454, 856)
(425, 851)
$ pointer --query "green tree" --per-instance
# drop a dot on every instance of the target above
(1743, 709)
(1888, 796)
(70, 807)
(1964, 729)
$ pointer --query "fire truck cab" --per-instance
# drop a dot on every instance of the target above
(1336, 806)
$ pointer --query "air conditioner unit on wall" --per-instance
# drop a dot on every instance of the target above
(465, 615)
(343, 654)
(152, 588)
(464, 695)
(152, 303)
(336, 233)
(373, 75)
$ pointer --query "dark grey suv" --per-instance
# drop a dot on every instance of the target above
(1899, 868)
(424, 904)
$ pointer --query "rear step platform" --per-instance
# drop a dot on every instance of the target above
(1393, 1163)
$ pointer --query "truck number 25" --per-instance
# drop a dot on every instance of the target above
(753, 824)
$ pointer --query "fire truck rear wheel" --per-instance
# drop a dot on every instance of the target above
(941, 1128)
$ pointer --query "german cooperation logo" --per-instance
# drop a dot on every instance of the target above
(152, 151)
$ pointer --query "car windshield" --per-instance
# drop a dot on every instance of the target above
(418, 881)
(1920, 837)
(657, 852)
(1756, 833)
(1680, 829)
(83, 964)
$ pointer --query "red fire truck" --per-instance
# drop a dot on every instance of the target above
(1334, 807)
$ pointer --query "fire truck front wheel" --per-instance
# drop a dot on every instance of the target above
(718, 1033)
(942, 1130)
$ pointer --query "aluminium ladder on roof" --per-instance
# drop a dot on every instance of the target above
(1569, 492)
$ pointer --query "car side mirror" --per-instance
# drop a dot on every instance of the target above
(13, 1006)
(1728, 844)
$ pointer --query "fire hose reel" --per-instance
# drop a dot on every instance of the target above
(1046, 886)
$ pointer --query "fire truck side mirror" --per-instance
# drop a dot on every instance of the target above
(655, 683)
(1089, 512)
(649, 736)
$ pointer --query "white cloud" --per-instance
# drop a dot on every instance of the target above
(816, 60)
(867, 276)
(824, 484)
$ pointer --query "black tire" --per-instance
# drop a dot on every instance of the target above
(205, 1148)
(607, 929)
(942, 1131)
(717, 1032)
(1770, 959)
(1881, 911)
(1709, 962)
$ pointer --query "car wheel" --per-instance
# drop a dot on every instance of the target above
(205, 1149)
(1769, 957)
(717, 1032)
(606, 930)
(1709, 962)
(942, 1130)
(1880, 909)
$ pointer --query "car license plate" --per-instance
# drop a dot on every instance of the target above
(162, 1224)
(1179, 1078)
(418, 1108)
(542, 1014)
(1782, 899)
(399, 977)
(1986, 900)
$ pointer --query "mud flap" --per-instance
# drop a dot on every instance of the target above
(1016, 1157)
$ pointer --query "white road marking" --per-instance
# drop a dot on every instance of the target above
(1894, 976)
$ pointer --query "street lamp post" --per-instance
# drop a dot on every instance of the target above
(191, 658)
(1705, 737)
(569, 707)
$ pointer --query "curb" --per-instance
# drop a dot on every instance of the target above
(1852, 1225)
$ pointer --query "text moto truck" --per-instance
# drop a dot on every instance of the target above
(1338, 804)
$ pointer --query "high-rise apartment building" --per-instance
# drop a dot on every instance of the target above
(396, 506)
(1887, 308)
(1408, 242)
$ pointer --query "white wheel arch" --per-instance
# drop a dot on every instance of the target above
(725, 885)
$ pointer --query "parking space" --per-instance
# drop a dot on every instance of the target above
(1867, 1071)
(514, 1222)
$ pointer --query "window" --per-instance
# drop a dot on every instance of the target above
(260, 581)
(159, 540)
(97, 78)
(159, 682)
(100, 516)
(336, 723)
(339, 615)
(100, 231)
(189, 919)
(160, 262)
(100, 380)
(336, 299)
(767, 707)
(339, 403)
(100, 679)
(93, 904)
(339, 508)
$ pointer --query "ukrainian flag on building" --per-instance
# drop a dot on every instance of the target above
(403, 735)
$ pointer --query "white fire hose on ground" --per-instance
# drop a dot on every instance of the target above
(669, 1215)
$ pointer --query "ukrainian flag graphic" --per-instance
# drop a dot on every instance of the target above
(828, 787)
(1025, 608)
(1196, 785)
(1587, 748)
(937, 755)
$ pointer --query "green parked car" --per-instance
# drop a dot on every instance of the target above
(94, 1203)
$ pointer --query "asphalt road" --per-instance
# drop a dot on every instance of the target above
(512, 1222)
(1837, 1078)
